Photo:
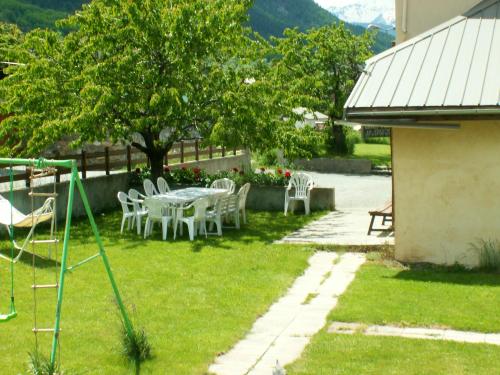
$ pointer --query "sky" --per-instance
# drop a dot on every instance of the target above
(330, 3)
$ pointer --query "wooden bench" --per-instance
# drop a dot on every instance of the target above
(385, 213)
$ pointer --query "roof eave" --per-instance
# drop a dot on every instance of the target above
(469, 113)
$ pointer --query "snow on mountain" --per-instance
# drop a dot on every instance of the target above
(378, 12)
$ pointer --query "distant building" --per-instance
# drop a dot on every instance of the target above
(439, 91)
(316, 120)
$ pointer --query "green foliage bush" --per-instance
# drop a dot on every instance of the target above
(489, 254)
(352, 138)
(378, 141)
(199, 177)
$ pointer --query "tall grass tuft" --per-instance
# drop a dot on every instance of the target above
(40, 365)
(489, 254)
(135, 347)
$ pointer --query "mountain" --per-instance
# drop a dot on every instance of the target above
(268, 17)
(377, 12)
(272, 17)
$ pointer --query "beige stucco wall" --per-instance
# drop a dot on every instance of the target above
(422, 15)
(447, 191)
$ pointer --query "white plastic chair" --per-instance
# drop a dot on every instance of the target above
(198, 219)
(149, 188)
(156, 214)
(303, 184)
(137, 200)
(163, 187)
(128, 211)
(232, 210)
(242, 194)
(224, 183)
(215, 216)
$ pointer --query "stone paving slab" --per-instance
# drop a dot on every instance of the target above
(344, 227)
(416, 333)
(286, 329)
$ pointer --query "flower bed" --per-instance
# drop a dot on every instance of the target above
(198, 177)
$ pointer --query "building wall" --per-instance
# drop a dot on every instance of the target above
(447, 185)
(422, 15)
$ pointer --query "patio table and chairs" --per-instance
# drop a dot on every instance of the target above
(214, 205)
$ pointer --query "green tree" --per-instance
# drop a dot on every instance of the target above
(10, 36)
(150, 72)
(320, 68)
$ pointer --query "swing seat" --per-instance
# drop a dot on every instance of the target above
(19, 220)
(10, 216)
(7, 317)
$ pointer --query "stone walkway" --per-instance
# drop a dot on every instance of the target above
(416, 333)
(285, 330)
(342, 227)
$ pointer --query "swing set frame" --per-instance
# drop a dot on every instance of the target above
(74, 183)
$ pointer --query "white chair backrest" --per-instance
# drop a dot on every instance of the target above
(242, 193)
(200, 208)
(233, 202)
(135, 195)
(302, 183)
(163, 187)
(224, 183)
(149, 188)
(154, 207)
(124, 201)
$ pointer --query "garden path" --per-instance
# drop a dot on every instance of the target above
(416, 333)
(348, 225)
(285, 330)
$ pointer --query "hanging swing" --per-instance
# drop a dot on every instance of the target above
(12, 310)
(11, 217)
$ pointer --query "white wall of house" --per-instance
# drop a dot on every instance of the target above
(413, 17)
(447, 185)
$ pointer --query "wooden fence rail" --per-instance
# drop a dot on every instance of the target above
(109, 159)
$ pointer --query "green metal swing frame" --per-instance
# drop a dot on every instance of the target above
(74, 181)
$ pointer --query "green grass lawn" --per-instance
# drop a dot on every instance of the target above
(431, 297)
(424, 296)
(194, 299)
(330, 354)
(379, 154)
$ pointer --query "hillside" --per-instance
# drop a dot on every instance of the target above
(268, 17)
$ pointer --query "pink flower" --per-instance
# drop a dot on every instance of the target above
(288, 174)
(196, 170)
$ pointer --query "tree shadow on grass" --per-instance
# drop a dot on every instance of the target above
(26, 258)
(448, 275)
(262, 227)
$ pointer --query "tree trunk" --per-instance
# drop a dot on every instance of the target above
(339, 140)
(156, 160)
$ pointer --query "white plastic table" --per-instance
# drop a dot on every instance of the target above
(186, 196)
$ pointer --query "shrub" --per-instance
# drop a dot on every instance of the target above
(378, 140)
(489, 254)
(199, 177)
(352, 138)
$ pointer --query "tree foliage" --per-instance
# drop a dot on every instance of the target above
(150, 73)
(320, 68)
